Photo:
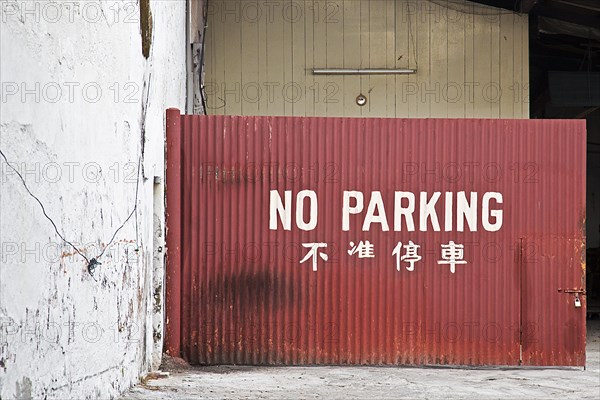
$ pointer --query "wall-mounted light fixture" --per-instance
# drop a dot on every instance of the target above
(361, 100)
(363, 71)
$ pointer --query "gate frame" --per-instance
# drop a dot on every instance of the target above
(172, 341)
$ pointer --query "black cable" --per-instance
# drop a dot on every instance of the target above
(93, 262)
(201, 71)
(130, 214)
(43, 209)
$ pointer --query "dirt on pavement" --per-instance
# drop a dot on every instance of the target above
(343, 382)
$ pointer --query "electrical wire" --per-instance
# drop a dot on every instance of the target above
(412, 40)
(93, 262)
(130, 214)
(43, 208)
(201, 70)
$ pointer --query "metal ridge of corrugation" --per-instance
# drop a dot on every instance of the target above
(238, 293)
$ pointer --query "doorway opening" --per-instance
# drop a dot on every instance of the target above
(565, 84)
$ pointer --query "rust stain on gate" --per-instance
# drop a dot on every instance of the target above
(240, 289)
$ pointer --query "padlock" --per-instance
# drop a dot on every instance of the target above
(577, 302)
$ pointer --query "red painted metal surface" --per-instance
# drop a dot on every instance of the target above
(173, 162)
(247, 297)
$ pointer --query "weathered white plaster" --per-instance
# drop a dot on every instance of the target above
(62, 334)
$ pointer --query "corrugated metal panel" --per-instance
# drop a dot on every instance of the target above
(248, 299)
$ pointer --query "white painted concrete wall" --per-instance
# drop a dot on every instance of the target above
(62, 334)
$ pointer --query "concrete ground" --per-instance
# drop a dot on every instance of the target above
(380, 382)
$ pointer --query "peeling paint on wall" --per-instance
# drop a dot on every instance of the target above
(62, 334)
(23, 390)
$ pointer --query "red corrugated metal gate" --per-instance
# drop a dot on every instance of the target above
(375, 241)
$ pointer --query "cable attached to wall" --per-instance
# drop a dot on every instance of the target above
(93, 262)
(201, 69)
